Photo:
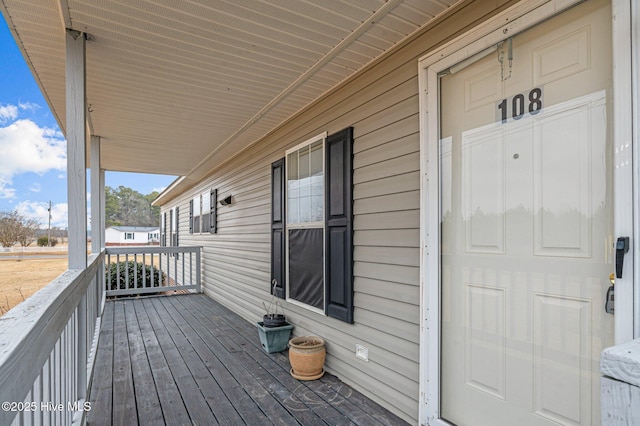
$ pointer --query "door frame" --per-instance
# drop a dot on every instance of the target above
(472, 46)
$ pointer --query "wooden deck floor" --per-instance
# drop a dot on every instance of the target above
(187, 360)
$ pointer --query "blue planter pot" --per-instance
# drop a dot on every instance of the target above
(274, 339)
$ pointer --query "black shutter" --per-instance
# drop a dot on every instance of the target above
(213, 211)
(339, 225)
(278, 273)
(191, 216)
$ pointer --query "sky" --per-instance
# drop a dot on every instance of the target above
(33, 149)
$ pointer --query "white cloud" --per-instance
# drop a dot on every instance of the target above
(39, 210)
(35, 187)
(8, 113)
(6, 191)
(159, 190)
(29, 106)
(27, 147)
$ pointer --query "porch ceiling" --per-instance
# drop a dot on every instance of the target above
(176, 87)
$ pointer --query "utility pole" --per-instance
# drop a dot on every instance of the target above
(49, 234)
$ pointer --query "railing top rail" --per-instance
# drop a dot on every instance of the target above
(29, 331)
(151, 250)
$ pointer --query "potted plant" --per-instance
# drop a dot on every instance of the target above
(273, 330)
(272, 318)
(307, 355)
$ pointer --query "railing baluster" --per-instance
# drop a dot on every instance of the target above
(80, 365)
(198, 271)
(135, 270)
(46, 385)
(57, 382)
(144, 271)
(118, 271)
(126, 270)
(108, 268)
(37, 397)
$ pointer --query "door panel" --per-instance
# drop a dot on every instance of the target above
(526, 226)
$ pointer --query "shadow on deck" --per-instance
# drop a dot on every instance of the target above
(186, 359)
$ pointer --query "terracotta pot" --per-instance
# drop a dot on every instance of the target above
(307, 355)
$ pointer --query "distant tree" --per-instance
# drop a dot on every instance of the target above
(111, 207)
(9, 228)
(28, 232)
(153, 212)
(127, 207)
(15, 228)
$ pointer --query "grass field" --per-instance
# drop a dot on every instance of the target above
(22, 278)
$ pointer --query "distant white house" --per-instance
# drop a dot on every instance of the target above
(131, 235)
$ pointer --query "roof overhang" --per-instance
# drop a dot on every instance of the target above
(178, 88)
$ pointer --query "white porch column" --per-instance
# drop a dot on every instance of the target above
(76, 149)
(97, 197)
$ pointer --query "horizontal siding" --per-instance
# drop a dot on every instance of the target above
(382, 106)
(406, 200)
(387, 238)
(391, 185)
(389, 255)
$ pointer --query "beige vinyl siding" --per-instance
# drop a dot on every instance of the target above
(382, 106)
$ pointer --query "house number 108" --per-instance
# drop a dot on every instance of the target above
(517, 106)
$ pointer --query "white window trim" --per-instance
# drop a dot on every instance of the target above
(512, 21)
(197, 214)
(307, 225)
(309, 141)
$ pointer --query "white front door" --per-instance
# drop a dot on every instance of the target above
(526, 234)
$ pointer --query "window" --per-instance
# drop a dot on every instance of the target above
(196, 214)
(305, 223)
(129, 236)
(203, 213)
(311, 225)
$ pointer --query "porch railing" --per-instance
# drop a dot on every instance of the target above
(152, 270)
(47, 348)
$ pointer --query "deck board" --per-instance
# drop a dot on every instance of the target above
(124, 403)
(147, 403)
(171, 404)
(102, 384)
(186, 359)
